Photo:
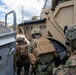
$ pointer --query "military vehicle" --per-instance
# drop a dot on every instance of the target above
(8, 47)
(52, 22)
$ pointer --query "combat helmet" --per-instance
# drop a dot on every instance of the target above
(36, 31)
(20, 39)
(71, 32)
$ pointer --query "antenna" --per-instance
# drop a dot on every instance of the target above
(22, 13)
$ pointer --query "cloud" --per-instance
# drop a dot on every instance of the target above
(30, 8)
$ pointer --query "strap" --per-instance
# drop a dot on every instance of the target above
(45, 69)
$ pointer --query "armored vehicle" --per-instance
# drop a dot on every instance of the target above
(52, 22)
(53, 18)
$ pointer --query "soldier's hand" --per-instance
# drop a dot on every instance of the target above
(56, 54)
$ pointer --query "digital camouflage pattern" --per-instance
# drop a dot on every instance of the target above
(71, 32)
(70, 66)
(71, 61)
(66, 71)
(35, 31)
(41, 65)
(43, 59)
(43, 62)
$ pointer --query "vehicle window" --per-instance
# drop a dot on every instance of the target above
(42, 27)
(29, 27)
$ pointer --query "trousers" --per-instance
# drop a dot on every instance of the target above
(23, 63)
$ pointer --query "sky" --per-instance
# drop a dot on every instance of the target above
(30, 8)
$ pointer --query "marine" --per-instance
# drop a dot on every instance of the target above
(22, 56)
(41, 53)
(70, 66)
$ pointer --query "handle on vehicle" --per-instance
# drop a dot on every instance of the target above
(14, 19)
(11, 51)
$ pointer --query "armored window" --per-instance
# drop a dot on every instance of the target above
(42, 27)
(29, 27)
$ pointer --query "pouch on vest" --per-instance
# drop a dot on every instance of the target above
(32, 58)
(43, 46)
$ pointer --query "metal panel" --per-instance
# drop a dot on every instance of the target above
(6, 63)
(6, 40)
(4, 29)
(7, 50)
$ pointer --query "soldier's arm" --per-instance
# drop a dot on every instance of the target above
(29, 47)
(30, 54)
(17, 53)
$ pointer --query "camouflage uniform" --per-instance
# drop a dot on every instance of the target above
(43, 61)
(22, 56)
(70, 66)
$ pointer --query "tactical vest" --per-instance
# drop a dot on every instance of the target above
(43, 46)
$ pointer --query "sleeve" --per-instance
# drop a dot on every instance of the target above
(32, 45)
(17, 52)
(30, 48)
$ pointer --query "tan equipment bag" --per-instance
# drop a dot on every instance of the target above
(32, 58)
(43, 46)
